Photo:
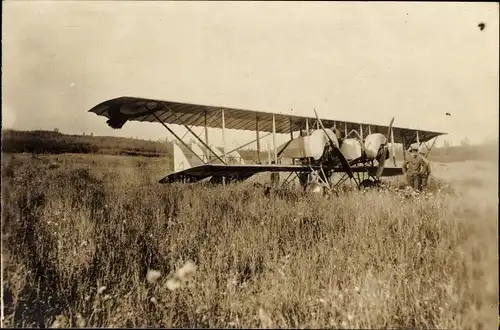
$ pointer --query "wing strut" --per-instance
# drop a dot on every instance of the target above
(206, 131)
(195, 135)
(274, 141)
(243, 145)
(258, 138)
(223, 133)
(177, 137)
(432, 146)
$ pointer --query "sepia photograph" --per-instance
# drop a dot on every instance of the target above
(250, 164)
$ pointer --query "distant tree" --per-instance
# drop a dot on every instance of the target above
(446, 147)
(56, 130)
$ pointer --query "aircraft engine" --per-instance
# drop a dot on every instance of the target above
(317, 141)
(351, 148)
(373, 142)
(312, 146)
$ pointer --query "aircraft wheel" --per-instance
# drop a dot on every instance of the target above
(315, 188)
(367, 183)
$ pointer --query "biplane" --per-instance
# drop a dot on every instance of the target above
(322, 148)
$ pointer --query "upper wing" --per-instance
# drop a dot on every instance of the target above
(122, 109)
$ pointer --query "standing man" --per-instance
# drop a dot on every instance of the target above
(412, 169)
(417, 169)
(425, 170)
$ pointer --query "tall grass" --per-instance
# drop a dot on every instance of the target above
(78, 246)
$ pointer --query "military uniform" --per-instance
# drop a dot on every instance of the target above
(425, 171)
(417, 171)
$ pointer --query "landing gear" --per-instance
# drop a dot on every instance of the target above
(368, 183)
(315, 188)
(303, 180)
(275, 179)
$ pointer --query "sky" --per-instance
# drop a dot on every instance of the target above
(353, 61)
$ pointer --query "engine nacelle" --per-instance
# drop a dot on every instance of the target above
(351, 148)
(312, 146)
(373, 142)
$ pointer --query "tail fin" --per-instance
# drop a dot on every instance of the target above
(180, 161)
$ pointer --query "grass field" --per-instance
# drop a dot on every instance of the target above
(81, 234)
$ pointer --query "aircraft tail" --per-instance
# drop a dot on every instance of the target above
(180, 161)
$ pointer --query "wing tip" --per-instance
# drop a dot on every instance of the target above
(116, 123)
(105, 104)
(102, 109)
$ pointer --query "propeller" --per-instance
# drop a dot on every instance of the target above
(393, 146)
(383, 155)
(381, 163)
(336, 150)
(323, 128)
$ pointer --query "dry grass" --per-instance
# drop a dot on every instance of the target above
(95, 242)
